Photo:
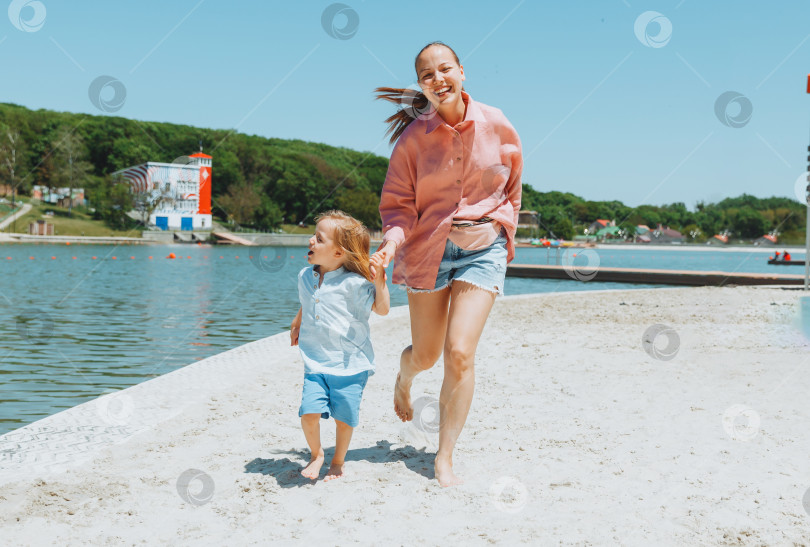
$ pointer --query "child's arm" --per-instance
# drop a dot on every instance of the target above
(382, 301)
(295, 328)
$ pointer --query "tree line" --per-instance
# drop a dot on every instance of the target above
(261, 182)
(257, 182)
(741, 218)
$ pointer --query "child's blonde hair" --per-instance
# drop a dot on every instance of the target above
(353, 238)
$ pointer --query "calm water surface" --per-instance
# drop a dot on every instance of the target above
(76, 326)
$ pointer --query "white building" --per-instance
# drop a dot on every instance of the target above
(184, 191)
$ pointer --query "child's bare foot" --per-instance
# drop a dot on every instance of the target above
(335, 472)
(312, 470)
(443, 469)
(402, 400)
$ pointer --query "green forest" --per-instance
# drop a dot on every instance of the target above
(260, 183)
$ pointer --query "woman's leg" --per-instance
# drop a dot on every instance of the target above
(428, 325)
(469, 309)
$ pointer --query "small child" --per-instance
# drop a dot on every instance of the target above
(331, 330)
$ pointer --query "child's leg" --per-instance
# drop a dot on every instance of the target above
(343, 434)
(311, 424)
(345, 394)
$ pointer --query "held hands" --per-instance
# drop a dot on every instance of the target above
(382, 298)
(377, 267)
(383, 256)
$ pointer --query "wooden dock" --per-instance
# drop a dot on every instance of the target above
(228, 237)
(656, 277)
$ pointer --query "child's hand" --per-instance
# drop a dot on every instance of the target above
(385, 252)
(377, 269)
(295, 328)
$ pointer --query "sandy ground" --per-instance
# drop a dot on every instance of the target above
(647, 417)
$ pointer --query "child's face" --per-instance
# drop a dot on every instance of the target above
(323, 251)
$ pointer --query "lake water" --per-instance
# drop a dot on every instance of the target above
(76, 326)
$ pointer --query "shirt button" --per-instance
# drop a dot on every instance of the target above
(317, 300)
(315, 286)
(458, 158)
(458, 182)
(317, 317)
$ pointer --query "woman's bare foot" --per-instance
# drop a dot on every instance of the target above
(335, 472)
(312, 470)
(443, 469)
(402, 400)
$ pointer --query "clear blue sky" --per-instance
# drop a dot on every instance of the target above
(600, 113)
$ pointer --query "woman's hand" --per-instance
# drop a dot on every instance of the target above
(384, 255)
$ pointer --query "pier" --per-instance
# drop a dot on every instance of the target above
(647, 276)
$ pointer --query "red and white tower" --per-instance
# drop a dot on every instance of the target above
(204, 194)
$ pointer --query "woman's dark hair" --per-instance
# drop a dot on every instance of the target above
(412, 103)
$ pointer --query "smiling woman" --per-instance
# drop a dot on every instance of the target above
(449, 209)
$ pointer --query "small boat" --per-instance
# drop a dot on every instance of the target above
(786, 262)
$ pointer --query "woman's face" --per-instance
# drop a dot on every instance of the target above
(440, 76)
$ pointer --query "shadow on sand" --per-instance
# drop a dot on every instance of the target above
(287, 472)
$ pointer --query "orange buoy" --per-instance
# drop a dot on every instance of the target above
(67, 242)
(188, 257)
(150, 258)
(94, 258)
(114, 258)
(132, 257)
(171, 255)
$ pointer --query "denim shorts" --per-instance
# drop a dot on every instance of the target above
(336, 396)
(484, 268)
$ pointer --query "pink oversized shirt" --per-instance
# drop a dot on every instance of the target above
(438, 173)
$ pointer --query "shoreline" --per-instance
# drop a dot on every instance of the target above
(294, 240)
(647, 442)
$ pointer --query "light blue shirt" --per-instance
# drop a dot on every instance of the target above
(334, 337)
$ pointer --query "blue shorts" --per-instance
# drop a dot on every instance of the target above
(338, 396)
(484, 268)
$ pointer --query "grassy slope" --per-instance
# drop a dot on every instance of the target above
(78, 224)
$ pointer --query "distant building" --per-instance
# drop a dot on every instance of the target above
(609, 232)
(642, 234)
(528, 219)
(664, 234)
(718, 239)
(184, 190)
(598, 224)
(59, 196)
(768, 240)
(40, 228)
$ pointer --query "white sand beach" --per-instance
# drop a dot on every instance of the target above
(580, 433)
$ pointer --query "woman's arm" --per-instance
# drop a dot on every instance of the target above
(512, 151)
(397, 202)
